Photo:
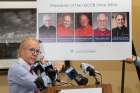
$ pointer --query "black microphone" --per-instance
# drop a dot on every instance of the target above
(87, 68)
(42, 79)
(73, 74)
(51, 72)
(37, 68)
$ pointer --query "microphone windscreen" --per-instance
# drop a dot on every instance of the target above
(81, 80)
(71, 72)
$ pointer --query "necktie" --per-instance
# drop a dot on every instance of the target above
(37, 91)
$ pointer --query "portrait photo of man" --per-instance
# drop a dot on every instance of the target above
(83, 31)
(101, 23)
(120, 28)
(65, 27)
(47, 27)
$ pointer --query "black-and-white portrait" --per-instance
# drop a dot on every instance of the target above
(15, 24)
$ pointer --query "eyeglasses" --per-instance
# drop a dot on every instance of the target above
(33, 50)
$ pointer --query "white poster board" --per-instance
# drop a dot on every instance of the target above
(84, 90)
(85, 29)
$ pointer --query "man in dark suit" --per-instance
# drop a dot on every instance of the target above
(47, 30)
(120, 32)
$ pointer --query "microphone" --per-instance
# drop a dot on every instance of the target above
(73, 74)
(89, 69)
(37, 68)
(51, 72)
(42, 79)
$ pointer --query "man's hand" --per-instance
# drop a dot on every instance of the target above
(130, 59)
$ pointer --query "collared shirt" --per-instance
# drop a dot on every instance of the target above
(63, 31)
(20, 79)
(87, 31)
(25, 64)
(98, 32)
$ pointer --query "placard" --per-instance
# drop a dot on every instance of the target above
(83, 90)
(85, 29)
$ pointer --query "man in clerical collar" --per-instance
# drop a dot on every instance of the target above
(121, 31)
(47, 30)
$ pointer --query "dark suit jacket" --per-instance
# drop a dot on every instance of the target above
(47, 31)
(137, 64)
(138, 71)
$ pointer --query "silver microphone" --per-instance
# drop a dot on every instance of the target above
(89, 69)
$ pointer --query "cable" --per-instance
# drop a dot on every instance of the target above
(100, 76)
